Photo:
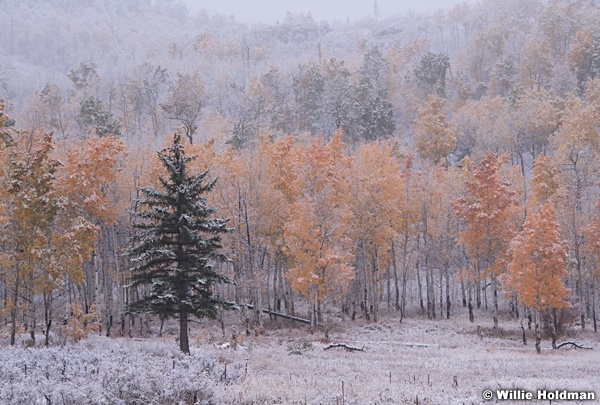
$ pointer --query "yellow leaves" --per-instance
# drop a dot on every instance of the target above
(90, 177)
(316, 233)
(544, 180)
(80, 324)
(579, 133)
(537, 266)
(581, 53)
(434, 191)
(206, 155)
(592, 92)
(320, 251)
(486, 208)
(44, 233)
(377, 195)
(433, 134)
(535, 68)
(536, 117)
(69, 249)
(484, 125)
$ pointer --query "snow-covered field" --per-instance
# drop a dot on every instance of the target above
(438, 362)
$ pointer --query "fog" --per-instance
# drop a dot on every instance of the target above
(271, 11)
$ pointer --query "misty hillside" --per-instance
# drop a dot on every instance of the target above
(501, 49)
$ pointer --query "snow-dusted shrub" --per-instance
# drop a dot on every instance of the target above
(109, 371)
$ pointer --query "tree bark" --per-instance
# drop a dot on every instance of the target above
(494, 301)
(375, 286)
(538, 337)
(553, 328)
(184, 344)
(471, 316)
(47, 317)
(447, 274)
(420, 288)
(396, 285)
(594, 305)
(15, 308)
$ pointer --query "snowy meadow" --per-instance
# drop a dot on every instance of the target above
(408, 362)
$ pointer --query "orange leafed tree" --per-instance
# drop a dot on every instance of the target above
(45, 245)
(91, 184)
(247, 195)
(592, 235)
(487, 210)
(435, 189)
(537, 266)
(544, 180)
(316, 235)
(433, 133)
(377, 204)
(90, 178)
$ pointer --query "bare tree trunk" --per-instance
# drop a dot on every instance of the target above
(478, 286)
(325, 319)
(429, 288)
(441, 293)
(258, 304)
(494, 301)
(47, 317)
(388, 287)
(355, 298)
(366, 287)
(313, 312)
(485, 295)
(119, 282)
(396, 285)
(14, 312)
(471, 316)
(375, 287)
(538, 337)
(420, 288)
(184, 344)
(30, 313)
(97, 301)
(447, 274)
(276, 299)
(107, 281)
(404, 288)
(553, 327)
(594, 304)
(284, 291)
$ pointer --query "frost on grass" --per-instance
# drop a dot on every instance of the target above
(105, 371)
(437, 362)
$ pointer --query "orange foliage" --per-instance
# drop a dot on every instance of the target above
(544, 180)
(90, 177)
(537, 266)
(377, 195)
(433, 133)
(486, 209)
(44, 243)
(316, 234)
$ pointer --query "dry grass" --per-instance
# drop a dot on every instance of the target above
(440, 362)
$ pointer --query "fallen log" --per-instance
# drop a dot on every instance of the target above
(573, 344)
(418, 345)
(279, 314)
(349, 348)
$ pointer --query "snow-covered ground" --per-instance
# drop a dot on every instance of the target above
(438, 362)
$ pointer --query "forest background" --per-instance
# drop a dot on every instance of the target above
(397, 166)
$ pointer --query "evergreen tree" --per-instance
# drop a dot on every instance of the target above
(177, 245)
